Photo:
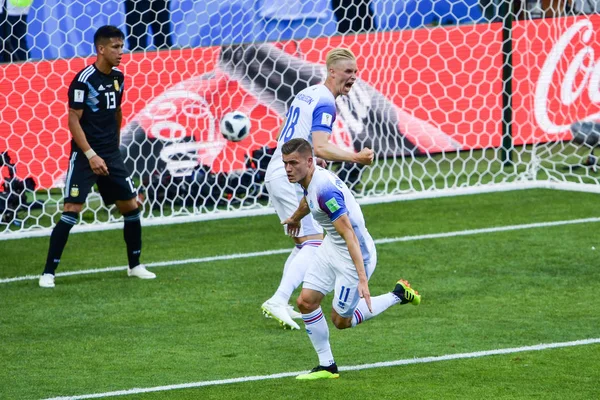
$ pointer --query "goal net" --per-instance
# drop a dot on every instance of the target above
(453, 96)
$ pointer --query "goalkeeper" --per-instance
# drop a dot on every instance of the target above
(95, 116)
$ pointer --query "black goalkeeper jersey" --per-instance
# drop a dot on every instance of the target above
(99, 96)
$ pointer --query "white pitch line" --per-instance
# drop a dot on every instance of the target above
(282, 251)
(155, 264)
(490, 230)
(395, 363)
(219, 258)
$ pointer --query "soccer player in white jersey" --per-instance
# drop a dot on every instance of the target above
(343, 263)
(311, 117)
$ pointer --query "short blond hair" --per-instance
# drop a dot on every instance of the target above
(338, 54)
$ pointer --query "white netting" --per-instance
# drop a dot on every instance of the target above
(429, 100)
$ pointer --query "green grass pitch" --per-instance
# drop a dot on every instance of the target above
(97, 333)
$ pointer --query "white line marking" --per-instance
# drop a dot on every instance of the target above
(282, 251)
(155, 264)
(384, 364)
(490, 230)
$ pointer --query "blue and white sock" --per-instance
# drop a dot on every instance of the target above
(318, 333)
(378, 304)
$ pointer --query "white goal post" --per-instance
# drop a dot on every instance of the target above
(451, 102)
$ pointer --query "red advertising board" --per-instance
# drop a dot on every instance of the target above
(556, 77)
(443, 84)
(33, 100)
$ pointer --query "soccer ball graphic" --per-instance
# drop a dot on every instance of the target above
(235, 126)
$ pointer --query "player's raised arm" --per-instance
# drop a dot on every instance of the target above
(328, 151)
(341, 74)
(343, 226)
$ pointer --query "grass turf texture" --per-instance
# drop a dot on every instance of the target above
(198, 322)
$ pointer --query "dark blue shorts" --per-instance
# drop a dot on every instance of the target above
(80, 179)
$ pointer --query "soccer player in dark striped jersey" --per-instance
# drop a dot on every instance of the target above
(95, 118)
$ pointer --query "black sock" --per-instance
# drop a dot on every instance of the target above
(58, 240)
(132, 232)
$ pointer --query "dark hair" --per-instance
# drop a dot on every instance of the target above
(107, 32)
(299, 145)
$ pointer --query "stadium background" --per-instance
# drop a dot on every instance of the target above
(499, 272)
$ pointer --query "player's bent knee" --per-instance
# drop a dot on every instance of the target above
(340, 322)
(73, 207)
(306, 305)
(126, 206)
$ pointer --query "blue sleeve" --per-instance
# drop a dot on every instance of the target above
(331, 201)
(323, 117)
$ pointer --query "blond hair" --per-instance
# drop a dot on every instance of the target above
(338, 54)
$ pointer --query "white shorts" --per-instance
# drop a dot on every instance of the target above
(285, 198)
(331, 270)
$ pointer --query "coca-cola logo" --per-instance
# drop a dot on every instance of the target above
(583, 72)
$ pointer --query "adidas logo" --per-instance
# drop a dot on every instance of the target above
(101, 87)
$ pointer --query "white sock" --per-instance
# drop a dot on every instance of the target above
(378, 304)
(290, 258)
(318, 333)
(279, 296)
(294, 270)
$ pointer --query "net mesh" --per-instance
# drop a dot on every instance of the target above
(429, 99)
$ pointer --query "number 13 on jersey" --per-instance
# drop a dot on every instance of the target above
(111, 102)
(290, 124)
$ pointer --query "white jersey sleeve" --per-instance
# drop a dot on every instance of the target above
(328, 199)
(312, 110)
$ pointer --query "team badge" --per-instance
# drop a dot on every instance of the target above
(310, 204)
(117, 85)
(74, 191)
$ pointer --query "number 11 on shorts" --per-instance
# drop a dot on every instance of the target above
(342, 294)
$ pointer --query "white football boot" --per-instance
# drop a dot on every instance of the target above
(280, 313)
(293, 313)
(141, 272)
(47, 281)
